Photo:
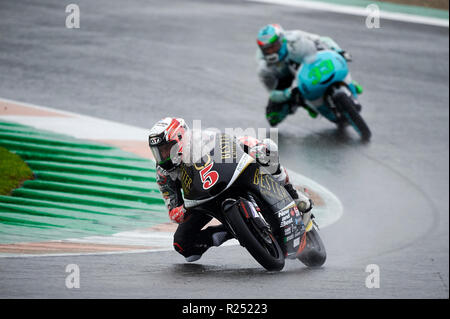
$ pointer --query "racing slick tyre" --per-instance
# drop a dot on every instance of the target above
(263, 247)
(352, 116)
(314, 254)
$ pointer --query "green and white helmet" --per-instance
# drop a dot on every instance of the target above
(272, 42)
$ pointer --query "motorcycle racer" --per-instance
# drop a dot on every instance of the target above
(167, 142)
(280, 54)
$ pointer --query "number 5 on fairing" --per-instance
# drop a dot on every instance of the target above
(208, 177)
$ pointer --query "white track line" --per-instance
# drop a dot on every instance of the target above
(359, 11)
(77, 125)
(333, 210)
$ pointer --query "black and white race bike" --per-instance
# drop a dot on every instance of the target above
(229, 185)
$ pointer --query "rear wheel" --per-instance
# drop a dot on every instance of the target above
(352, 116)
(259, 242)
(314, 254)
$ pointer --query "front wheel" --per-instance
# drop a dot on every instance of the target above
(352, 116)
(260, 243)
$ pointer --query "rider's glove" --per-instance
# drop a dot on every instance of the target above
(347, 56)
(261, 153)
(177, 214)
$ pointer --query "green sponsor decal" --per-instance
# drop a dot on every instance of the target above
(323, 68)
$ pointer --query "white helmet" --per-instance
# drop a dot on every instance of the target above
(165, 141)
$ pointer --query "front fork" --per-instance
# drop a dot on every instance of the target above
(250, 212)
(288, 228)
(333, 91)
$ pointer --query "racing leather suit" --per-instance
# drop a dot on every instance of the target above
(190, 239)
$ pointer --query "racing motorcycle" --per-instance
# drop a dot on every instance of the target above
(229, 185)
(325, 84)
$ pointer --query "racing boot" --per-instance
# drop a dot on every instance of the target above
(218, 238)
(193, 258)
(311, 112)
(207, 238)
(218, 235)
(304, 204)
(276, 112)
(305, 208)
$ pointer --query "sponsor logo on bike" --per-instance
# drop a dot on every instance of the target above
(268, 186)
(227, 147)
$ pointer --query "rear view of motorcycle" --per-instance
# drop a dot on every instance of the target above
(325, 83)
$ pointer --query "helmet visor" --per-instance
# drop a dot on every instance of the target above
(161, 153)
(271, 48)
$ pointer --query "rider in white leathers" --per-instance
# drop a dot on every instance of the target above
(279, 56)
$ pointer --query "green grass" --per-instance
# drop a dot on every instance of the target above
(13, 171)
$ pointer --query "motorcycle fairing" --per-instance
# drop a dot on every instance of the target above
(244, 175)
(289, 226)
(228, 173)
(315, 77)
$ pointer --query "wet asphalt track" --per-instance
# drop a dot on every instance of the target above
(138, 62)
